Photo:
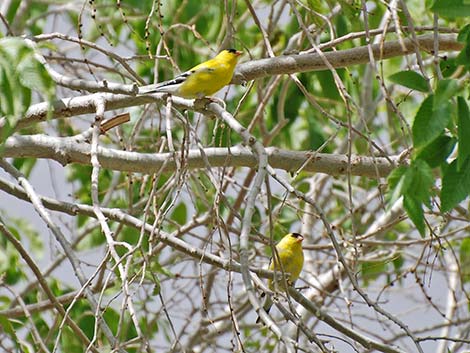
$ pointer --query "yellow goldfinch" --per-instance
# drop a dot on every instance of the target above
(204, 79)
(290, 260)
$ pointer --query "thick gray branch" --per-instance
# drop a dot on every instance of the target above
(67, 150)
(290, 64)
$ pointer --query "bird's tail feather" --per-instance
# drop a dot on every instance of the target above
(267, 306)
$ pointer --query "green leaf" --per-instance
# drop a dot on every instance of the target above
(429, 123)
(421, 122)
(464, 34)
(156, 267)
(420, 182)
(315, 135)
(455, 184)
(342, 25)
(112, 318)
(373, 270)
(7, 97)
(446, 89)
(70, 342)
(327, 83)
(465, 260)
(410, 79)
(396, 182)
(463, 131)
(395, 176)
(451, 8)
(25, 165)
(448, 66)
(157, 288)
(8, 328)
(464, 56)
(34, 76)
(5, 131)
(415, 184)
(87, 324)
(398, 263)
(414, 209)
(437, 151)
(20, 72)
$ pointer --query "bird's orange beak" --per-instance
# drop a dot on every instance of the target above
(238, 53)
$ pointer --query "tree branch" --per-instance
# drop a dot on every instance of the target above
(290, 64)
(67, 150)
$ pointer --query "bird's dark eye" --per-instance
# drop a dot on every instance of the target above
(297, 235)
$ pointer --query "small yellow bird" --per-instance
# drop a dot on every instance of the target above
(290, 260)
(204, 79)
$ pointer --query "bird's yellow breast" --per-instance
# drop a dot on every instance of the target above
(291, 258)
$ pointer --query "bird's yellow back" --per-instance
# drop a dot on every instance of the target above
(210, 76)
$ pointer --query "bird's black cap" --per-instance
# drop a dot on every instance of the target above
(297, 235)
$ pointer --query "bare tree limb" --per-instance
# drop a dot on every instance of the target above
(290, 64)
(68, 150)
